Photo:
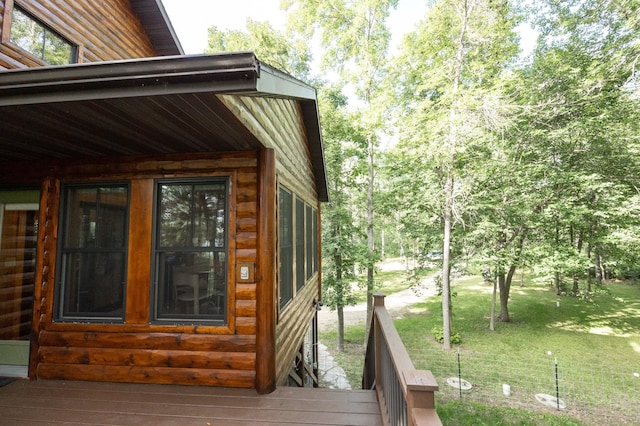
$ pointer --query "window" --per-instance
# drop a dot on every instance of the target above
(297, 244)
(299, 237)
(190, 251)
(314, 239)
(309, 240)
(285, 239)
(93, 248)
(35, 37)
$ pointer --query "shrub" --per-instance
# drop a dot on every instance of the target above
(438, 334)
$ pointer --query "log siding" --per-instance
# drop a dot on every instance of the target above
(104, 30)
(139, 350)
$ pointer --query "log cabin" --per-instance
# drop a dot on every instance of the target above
(159, 213)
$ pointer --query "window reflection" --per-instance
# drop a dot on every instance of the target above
(191, 257)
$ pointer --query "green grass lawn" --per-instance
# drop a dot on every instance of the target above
(588, 339)
(601, 334)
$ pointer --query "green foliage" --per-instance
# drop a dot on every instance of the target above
(284, 52)
(587, 336)
(438, 335)
(570, 331)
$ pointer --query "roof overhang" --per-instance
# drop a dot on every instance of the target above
(154, 19)
(143, 107)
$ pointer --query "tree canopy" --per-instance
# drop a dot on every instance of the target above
(498, 160)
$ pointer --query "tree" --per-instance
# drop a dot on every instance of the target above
(452, 62)
(343, 238)
(285, 52)
(582, 117)
(356, 39)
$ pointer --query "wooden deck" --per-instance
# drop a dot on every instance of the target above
(52, 402)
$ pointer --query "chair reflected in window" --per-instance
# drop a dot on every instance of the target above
(190, 290)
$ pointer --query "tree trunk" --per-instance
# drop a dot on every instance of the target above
(340, 328)
(370, 241)
(446, 260)
(576, 288)
(337, 258)
(504, 283)
(492, 321)
(598, 266)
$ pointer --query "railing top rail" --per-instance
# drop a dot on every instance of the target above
(411, 378)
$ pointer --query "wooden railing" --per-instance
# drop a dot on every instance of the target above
(406, 395)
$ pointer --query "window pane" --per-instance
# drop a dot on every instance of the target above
(192, 215)
(174, 218)
(300, 262)
(93, 284)
(286, 246)
(92, 272)
(309, 241)
(192, 285)
(190, 255)
(96, 218)
(41, 41)
(209, 218)
(314, 238)
(57, 51)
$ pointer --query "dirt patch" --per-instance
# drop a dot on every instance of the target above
(398, 304)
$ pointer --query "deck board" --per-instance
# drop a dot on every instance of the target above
(91, 403)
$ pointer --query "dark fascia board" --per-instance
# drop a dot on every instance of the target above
(277, 83)
(153, 17)
(229, 73)
(222, 73)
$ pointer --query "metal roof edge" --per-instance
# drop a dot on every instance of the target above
(228, 73)
(155, 20)
(273, 82)
(277, 83)
(170, 28)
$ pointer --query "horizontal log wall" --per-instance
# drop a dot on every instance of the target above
(138, 351)
(105, 30)
(278, 124)
(292, 328)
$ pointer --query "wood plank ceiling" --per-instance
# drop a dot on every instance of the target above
(161, 124)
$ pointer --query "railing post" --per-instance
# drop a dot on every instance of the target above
(421, 388)
(378, 300)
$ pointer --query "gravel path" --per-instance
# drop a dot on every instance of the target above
(331, 374)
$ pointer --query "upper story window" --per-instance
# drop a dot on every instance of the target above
(285, 242)
(32, 35)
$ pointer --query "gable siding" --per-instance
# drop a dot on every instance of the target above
(277, 123)
(105, 29)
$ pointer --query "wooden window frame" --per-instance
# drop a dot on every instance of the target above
(5, 40)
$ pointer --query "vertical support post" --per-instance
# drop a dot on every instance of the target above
(378, 301)
(421, 388)
(266, 274)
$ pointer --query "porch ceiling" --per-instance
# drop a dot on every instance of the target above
(144, 107)
(143, 125)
